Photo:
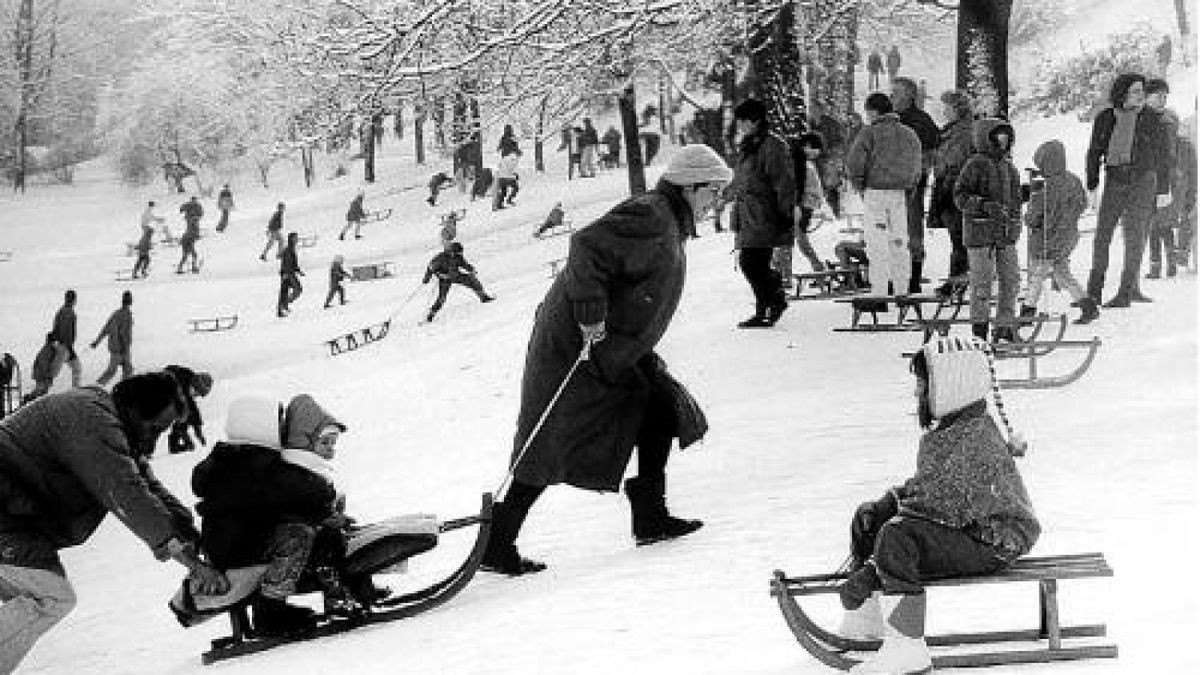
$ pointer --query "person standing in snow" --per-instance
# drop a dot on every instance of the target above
(141, 267)
(337, 274)
(507, 184)
(953, 151)
(274, 232)
(66, 461)
(965, 511)
(119, 330)
(191, 384)
(289, 276)
(615, 298)
(192, 213)
(450, 267)
(225, 205)
(1162, 224)
(64, 339)
(904, 100)
(355, 216)
(874, 68)
(42, 371)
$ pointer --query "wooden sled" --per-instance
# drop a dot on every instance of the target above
(124, 274)
(874, 304)
(1035, 325)
(360, 338)
(376, 216)
(1033, 350)
(213, 324)
(832, 649)
(307, 241)
(242, 639)
(372, 271)
(835, 283)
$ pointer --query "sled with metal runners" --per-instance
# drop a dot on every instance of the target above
(1055, 641)
(1035, 325)
(831, 283)
(213, 324)
(359, 338)
(1031, 351)
(873, 305)
(243, 640)
(373, 271)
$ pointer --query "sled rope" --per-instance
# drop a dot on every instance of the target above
(584, 354)
(416, 289)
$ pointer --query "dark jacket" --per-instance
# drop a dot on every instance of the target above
(66, 462)
(953, 151)
(626, 269)
(1052, 214)
(43, 364)
(245, 491)
(448, 266)
(225, 200)
(192, 212)
(119, 329)
(508, 145)
(337, 274)
(589, 136)
(764, 193)
(288, 262)
(1151, 147)
(276, 222)
(186, 377)
(926, 129)
(64, 328)
(356, 213)
(988, 190)
(146, 242)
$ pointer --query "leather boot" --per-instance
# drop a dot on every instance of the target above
(651, 521)
(274, 618)
(914, 280)
(501, 555)
(904, 651)
(1090, 309)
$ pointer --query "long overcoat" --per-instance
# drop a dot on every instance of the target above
(627, 269)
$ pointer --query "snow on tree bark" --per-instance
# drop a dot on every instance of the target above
(982, 54)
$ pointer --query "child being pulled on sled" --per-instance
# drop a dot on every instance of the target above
(964, 512)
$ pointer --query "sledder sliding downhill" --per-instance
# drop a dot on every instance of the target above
(276, 525)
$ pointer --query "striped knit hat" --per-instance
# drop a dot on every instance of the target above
(961, 372)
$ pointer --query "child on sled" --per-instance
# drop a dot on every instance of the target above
(964, 512)
(274, 519)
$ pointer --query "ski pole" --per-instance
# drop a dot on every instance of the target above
(584, 354)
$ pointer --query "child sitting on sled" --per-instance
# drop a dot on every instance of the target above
(273, 518)
(964, 512)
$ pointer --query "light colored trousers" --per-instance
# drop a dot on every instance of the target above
(123, 361)
(34, 600)
(62, 357)
(885, 233)
(1001, 264)
(1041, 270)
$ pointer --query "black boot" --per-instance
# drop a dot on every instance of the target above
(1091, 310)
(980, 330)
(651, 521)
(501, 555)
(339, 600)
(1155, 271)
(275, 618)
(1028, 312)
(914, 279)
(1004, 334)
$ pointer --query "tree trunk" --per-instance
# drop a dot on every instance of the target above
(831, 55)
(981, 67)
(776, 68)
(306, 160)
(419, 134)
(627, 104)
(539, 150)
(367, 138)
(24, 49)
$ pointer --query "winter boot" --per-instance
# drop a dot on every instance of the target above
(777, 307)
(755, 321)
(904, 651)
(1155, 271)
(864, 623)
(652, 522)
(1028, 312)
(858, 587)
(980, 330)
(339, 601)
(276, 618)
(1091, 310)
(914, 279)
(501, 555)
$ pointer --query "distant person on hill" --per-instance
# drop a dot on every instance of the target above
(225, 205)
(1163, 52)
(482, 184)
(893, 62)
(192, 212)
(507, 181)
(119, 331)
(612, 144)
(874, 68)
(142, 266)
(589, 142)
(64, 339)
(289, 276)
(192, 384)
(42, 371)
(508, 142)
(355, 215)
(274, 232)
(438, 182)
(1166, 218)
(66, 461)
(337, 274)
(622, 396)
(965, 511)
(553, 220)
(571, 143)
(450, 267)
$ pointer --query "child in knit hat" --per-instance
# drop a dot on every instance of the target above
(337, 274)
(964, 512)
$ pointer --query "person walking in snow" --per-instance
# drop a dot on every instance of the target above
(874, 68)
(893, 62)
(289, 276)
(964, 512)
(355, 216)
(64, 339)
(224, 205)
(765, 212)
(141, 267)
(988, 192)
(119, 331)
(42, 371)
(1052, 216)
(192, 213)
(450, 267)
(191, 384)
(1161, 233)
(507, 181)
(337, 274)
(66, 461)
(618, 395)
(274, 232)
(508, 142)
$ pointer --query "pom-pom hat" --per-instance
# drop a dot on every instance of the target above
(697, 163)
(961, 372)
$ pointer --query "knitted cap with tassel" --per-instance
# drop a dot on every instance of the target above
(961, 372)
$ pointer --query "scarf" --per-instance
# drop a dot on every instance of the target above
(1120, 143)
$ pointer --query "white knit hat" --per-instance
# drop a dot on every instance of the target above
(254, 418)
(697, 163)
(961, 372)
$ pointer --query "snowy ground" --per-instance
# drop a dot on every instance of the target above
(806, 423)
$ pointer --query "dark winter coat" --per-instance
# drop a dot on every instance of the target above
(225, 200)
(43, 364)
(966, 478)
(275, 224)
(988, 190)
(119, 329)
(65, 462)
(589, 136)
(764, 193)
(626, 269)
(449, 266)
(926, 129)
(245, 491)
(337, 274)
(885, 155)
(874, 62)
(288, 262)
(953, 151)
(192, 212)
(64, 328)
(146, 242)
(508, 145)
(612, 140)
(1183, 185)
(1052, 214)
(1151, 147)
(356, 213)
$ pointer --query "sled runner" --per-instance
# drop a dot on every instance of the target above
(372, 271)
(835, 283)
(306, 241)
(389, 551)
(124, 274)
(874, 304)
(832, 649)
(1035, 325)
(360, 338)
(376, 216)
(213, 324)
(1031, 351)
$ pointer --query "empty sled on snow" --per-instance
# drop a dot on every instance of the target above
(381, 548)
(307, 241)
(874, 304)
(213, 324)
(372, 271)
(835, 283)
(948, 650)
(359, 338)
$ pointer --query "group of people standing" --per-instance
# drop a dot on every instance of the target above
(192, 212)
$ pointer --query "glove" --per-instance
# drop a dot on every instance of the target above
(1162, 201)
(207, 581)
(593, 332)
